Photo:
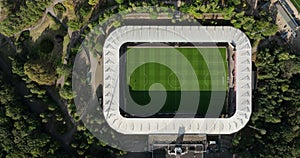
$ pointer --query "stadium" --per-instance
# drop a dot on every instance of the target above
(136, 58)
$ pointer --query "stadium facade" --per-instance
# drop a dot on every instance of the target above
(203, 34)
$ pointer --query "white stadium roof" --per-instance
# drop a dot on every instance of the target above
(174, 34)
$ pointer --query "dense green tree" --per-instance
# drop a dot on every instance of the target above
(5, 94)
(74, 24)
(60, 8)
(119, 1)
(93, 2)
(40, 72)
(21, 133)
(256, 29)
(23, 16)
(276, 108)
(66, 93)
(63, 70)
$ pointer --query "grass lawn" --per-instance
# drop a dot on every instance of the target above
(296, 4)
(146, 66)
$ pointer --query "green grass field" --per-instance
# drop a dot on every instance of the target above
(296, 4)
(188, 70)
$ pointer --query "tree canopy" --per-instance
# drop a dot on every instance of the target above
(21, 133)
(274, 128)
(25, 15)
(40, 72)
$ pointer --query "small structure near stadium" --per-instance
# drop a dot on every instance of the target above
(203, 34)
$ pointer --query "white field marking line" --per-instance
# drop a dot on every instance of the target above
(176, 47)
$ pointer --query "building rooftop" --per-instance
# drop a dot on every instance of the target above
(287, 17)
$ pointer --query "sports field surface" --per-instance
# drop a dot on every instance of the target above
(178, 70)
(296, 4)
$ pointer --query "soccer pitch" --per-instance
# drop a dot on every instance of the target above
(296, 4)
(206, 63)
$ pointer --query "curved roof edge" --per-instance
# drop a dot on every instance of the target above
(243, 68)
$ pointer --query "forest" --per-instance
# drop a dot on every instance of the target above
(273, 130)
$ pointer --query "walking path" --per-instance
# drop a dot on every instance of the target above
(49, 9)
